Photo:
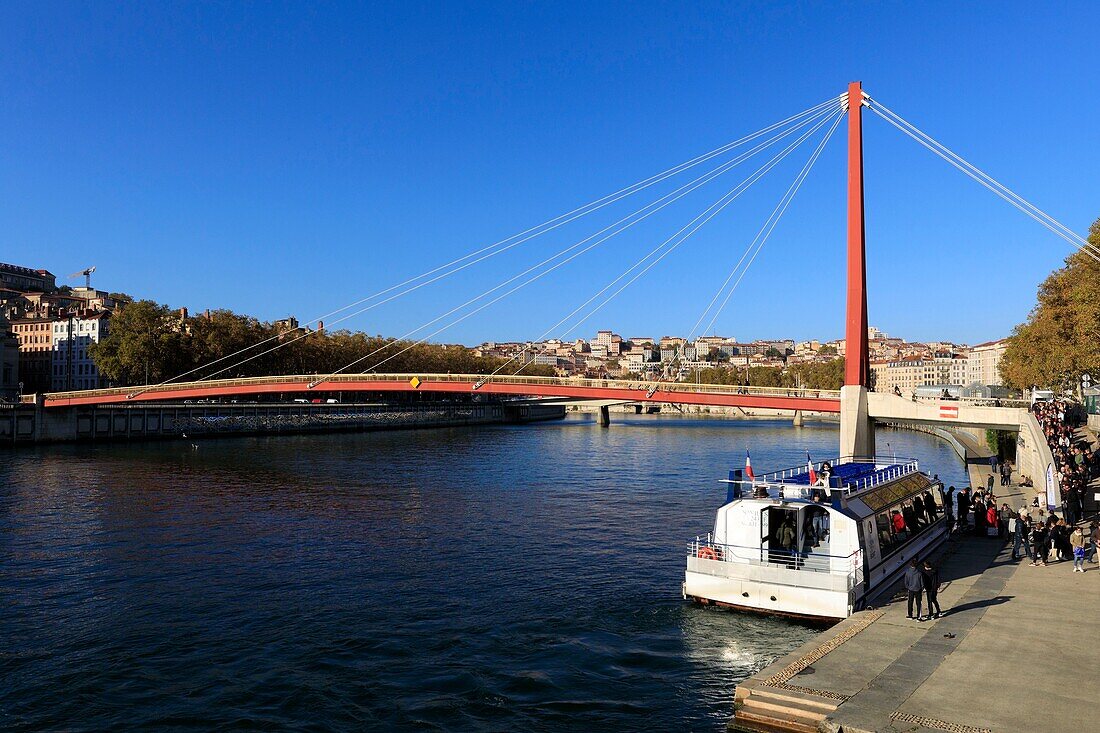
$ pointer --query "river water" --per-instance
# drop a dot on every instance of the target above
(493, 578)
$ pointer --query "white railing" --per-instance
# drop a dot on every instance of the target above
(973, 401)
(704, 548)
(774, 483)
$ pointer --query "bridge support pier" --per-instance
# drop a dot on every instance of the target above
(605, 416)
(798, 418)
(857, 427)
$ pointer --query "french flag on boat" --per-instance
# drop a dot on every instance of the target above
(748, 467)
(810, 466)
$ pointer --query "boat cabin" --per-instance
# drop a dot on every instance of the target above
(782, 544)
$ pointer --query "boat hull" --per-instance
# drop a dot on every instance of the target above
(782, 591)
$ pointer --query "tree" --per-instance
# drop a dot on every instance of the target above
(762, 376)
(1060, 340)
(825, 375)
(147, 338)
(144, 338)
(827, 351)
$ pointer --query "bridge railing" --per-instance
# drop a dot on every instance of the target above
(973, 401)
(332, 383)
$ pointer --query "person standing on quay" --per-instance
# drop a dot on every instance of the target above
(931, 587)
(1040, 544)
(1021, 536)
(1077, 541)
(964, 508)
(949, 509)
(1004, 517)
(914, 583)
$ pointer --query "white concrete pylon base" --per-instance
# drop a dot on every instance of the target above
(857, 427)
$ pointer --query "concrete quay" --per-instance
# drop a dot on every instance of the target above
(30, 424)
(1012, 652)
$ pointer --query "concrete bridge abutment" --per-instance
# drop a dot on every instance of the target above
(857, 427)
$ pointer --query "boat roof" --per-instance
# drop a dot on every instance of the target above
(848, 477)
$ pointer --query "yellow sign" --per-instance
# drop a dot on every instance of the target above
(415, 382)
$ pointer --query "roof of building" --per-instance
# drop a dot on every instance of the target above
(24, 270)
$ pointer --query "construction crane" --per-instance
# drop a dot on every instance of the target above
(87, 273)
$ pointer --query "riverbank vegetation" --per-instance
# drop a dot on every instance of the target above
(149, 342)
(825, 375)
(1060, 340)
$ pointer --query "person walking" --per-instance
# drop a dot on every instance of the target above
(914, 584)
(1006, 474)
(931, 587)
(1077, 541)
(1094, 537)
(989, 484)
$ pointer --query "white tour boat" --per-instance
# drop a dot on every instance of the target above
(818, 540)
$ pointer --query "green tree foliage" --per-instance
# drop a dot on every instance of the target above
(1061, 339)
(829, 375)
(146, 335)
(824, 375)
(143, 338)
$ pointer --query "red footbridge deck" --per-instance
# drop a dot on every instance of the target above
(567, 389)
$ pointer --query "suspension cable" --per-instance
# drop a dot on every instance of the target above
(521, 237)
(671, 196)
(768, 228)
(1000, 190)
(677, 239)
(881, 108)
(626, 222)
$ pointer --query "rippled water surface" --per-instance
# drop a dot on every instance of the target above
(497, 578)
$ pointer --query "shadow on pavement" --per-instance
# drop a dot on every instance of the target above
(985, 603)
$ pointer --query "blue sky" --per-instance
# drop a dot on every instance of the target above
(290, 158)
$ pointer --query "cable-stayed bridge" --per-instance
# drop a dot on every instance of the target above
(612, 390)
(767, 148)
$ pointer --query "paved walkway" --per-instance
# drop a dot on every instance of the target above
(1012, 652)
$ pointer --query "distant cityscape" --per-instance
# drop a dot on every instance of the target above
(895, 362)
(46, 332)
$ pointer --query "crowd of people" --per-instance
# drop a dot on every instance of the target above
(1040, 537)
(1075, 461)
(1043, 538)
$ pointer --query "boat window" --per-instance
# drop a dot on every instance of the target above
(897, 523)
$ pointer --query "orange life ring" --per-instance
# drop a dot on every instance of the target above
(707, 553)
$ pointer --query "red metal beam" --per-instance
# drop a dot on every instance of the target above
(721, 399)
(857, 368)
